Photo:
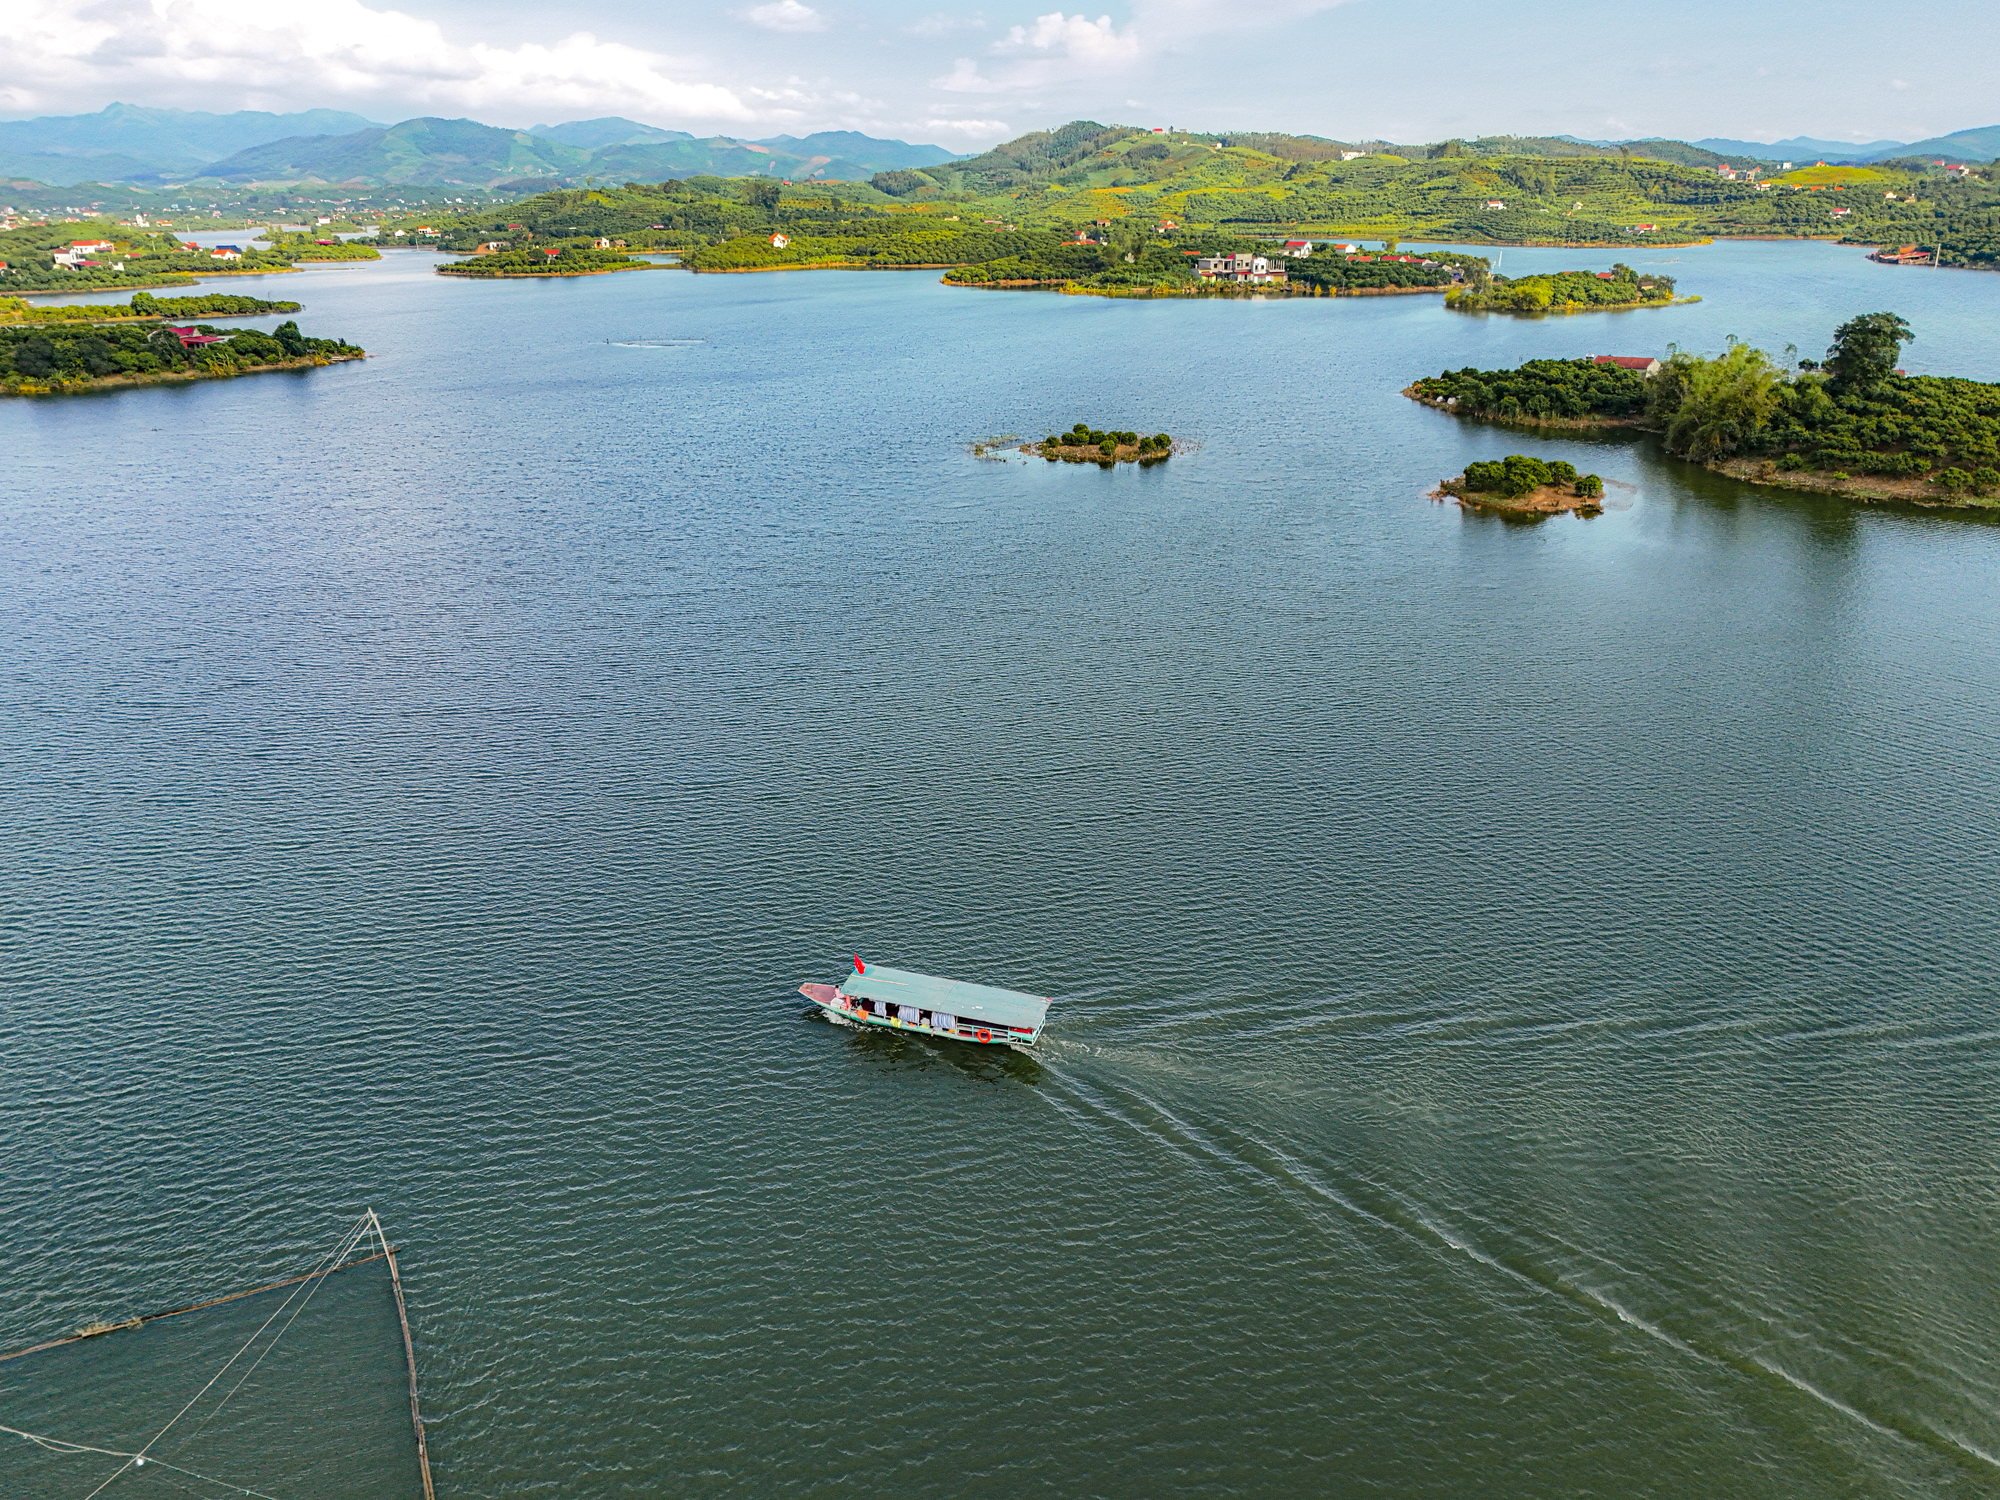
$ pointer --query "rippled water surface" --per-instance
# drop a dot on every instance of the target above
(1525, 995)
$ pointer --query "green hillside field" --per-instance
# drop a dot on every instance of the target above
(1154, 196)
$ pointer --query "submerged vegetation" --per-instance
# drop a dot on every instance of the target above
(1564, 291)
(55, 359)
(1849, 423)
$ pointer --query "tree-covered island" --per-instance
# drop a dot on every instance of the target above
(1084, 444)
(1849, 424)
(66, 357)
(543, 261)
(1519, 487)
(1564, 292)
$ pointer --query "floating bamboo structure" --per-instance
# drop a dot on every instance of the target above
(387, 1252)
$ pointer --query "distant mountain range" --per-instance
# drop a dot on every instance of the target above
(124, 142)
(1980, 145)
(155, 147)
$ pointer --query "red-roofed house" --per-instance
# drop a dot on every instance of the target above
(1645, 364)
(193, 338)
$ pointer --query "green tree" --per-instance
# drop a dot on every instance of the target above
(35, 358)
(1713, 407)
(1865, 350)
(290, 339)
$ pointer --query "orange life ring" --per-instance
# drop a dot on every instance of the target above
(984, 1035)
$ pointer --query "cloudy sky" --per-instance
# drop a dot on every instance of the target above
(967, 77)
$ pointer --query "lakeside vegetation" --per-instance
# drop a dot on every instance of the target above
(1563, 292)
(142, 305)
(1848, 423)
(1555, 392)
(49, 360)
(306, 248)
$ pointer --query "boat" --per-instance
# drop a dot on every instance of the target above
(898, 1000)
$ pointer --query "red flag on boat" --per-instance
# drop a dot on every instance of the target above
(859, 966)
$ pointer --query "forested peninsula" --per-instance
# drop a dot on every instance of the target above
(142, 305)
(88, 255)
(1849, 424)
(67, 357)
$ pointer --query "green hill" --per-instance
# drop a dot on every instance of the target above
(422, 153)
(1117, 185)
(125, 141)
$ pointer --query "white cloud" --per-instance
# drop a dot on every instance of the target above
(942, 23)
(787, 15)
(1050, 49)
(226, 54)
(1073, 37)
(984, 130)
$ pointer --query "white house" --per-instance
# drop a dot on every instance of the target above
(779, 241)
(1494, 203)
(1298, 249)
(1253, 268)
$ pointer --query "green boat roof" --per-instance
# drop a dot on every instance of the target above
(980, 1001)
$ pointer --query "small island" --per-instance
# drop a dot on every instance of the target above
(1564, 292)
(52, 359)
(1519, 486)
(1851, 424)
(542, 261)
(1084, 444)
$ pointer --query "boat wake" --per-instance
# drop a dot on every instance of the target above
(1097, 1102)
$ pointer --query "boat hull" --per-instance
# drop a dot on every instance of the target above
(838, 1008)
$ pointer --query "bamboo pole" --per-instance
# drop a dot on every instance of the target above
(193, 1307)
(410, 1355)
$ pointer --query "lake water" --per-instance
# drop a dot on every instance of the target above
(1525, 995)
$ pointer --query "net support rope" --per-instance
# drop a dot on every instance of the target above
(335, 1260)
(57, 1445)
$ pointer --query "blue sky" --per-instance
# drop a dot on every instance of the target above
(966, 77)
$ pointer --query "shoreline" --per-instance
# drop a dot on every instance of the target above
(834, 265)
(1569, 310)
(534, 275)
(1567, 424)
(1544, 500)
(179, 278)
(175, 377)
(1072, 289)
